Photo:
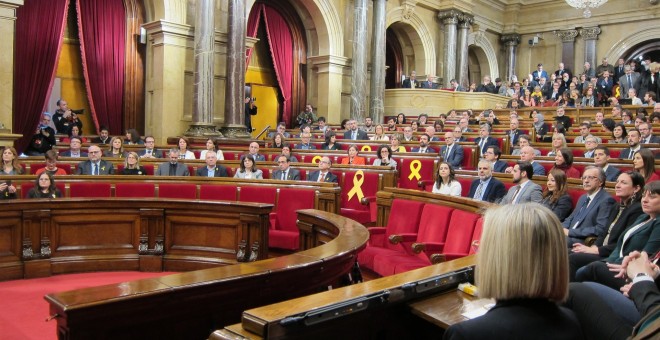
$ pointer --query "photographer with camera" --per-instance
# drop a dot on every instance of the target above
(44, 138)
(65, 118)
(250, 110)
(307, 117)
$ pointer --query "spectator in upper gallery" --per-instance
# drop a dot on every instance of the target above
(454, 85)
(429, 83)
(630, 80)
(411, 82)
(605, 66)
(486, 86)
(538, 74)
(559, 73)
(588, 70)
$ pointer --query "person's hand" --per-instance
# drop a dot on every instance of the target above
(581, 248)
(641, 264)
(565, 231)
(508, 170)
(67, 114)
(618, 269)
(626, 288)
(11, 189)
(3, 186)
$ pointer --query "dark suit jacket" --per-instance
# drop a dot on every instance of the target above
(98, 140)
(628, 216)
(407, 84)
(562, 208)
(595, 222)
(85, 168)
(612, 173)
(520, 319)
(329, 177)
(645, 238)
(426, 85)
(539, 170)
(292, 175)
(537, 77)
(489, 141)
(259, 157)
(164, 170)
(625, 154)
(156, 153)
(428, 150)
(309, 147)
(455, 157)
(220, 171)
(67, 153)
(361, 135)
(514, 140)
(490, 88)
(493, 193)
(500, 166)
(646, 296)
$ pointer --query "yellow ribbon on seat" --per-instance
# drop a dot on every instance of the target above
(357, 186)
(415, 166)
(365, 148)
(316, 159)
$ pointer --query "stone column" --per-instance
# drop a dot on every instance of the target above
(329, 72)
(359, 62)
(590, 35)
(511, 41)
(449, 20)
(464, 24)
(377, 89)
(8, 32)
(234, 125)
(568, 47)
(203, 103)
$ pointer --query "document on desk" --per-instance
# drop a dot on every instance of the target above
(477, 312)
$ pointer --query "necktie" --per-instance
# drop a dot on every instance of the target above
(96, 170)
(148, 152)
(515, 195)
(582, 212)
(321, 177)
(477, 195)
(481, 145)
(447, 152)
(632, 154)
(284, 175)
(629, 82)
(422, 150)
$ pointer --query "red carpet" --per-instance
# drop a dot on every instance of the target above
(24, 309)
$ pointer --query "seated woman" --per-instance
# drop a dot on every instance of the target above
(211, 146)
(644, 163)
(414, 126)
(184, 145)
(330, 141)
(395, 143)
(642, 235)
(555, 196)
(385, 159)
(248, 169)
(528, 99)
(422, 119)
(564, 162)
(629, 191)
(44, 187)
(115, 148)
(276, 142)
(132, 165)
(133, 137)
(51, 164)
(379, 134)
(286, 151)
(353, 157)
(619, 134)
(445, 182)
(10, 167)
(540, 127)
(558, 142)
(74, 131)
(522, 264)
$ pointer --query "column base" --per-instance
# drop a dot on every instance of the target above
(235, 131)
(202, 130)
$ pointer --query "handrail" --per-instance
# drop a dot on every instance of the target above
(264, 130)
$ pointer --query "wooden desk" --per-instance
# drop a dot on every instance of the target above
(446, 309)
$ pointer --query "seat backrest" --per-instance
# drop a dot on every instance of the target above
(459, 234)
(89, 189)
(476, 236)
(177, 190)
(466, 182)
(135, 190)
(289, 201)
(217, 192)
(404, 216)
(575, 195)
(434, 223)
(409, 167)
(366, 182)
(469, 154)
(257, 194)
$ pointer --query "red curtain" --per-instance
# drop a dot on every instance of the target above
(102, 26)
(252, 27)
(39, 33)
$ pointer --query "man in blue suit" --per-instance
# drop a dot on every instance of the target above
(485, 140)
(424, 145)
(452, 153)
(284, 171)
(601, 159)
(591, 213)
(539, 73)
(486, 188)
(493, 154)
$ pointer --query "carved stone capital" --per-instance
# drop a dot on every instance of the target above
(202, 130)
(567, 35)
(235, 131)
(590, 33)
(449, 17)
(465, 20)
(408, 9)
(512, 39)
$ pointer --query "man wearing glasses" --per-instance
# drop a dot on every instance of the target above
(284, 171)
(95, 166)
(592, 209)
(323, 174)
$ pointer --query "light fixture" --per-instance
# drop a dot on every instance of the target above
(586, 4)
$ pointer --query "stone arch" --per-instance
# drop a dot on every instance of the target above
(622, 46)
(485, 54)
(424, 49)
(170, 10)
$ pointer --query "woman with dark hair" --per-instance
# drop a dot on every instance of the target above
(330, 141)
(385, 154)
(212, 146)
(248, 169)
(414, 126)
(423, 119)
(75, 131)
(628, 189)
(286, 151)
(10, 167)
(555, 195)
(540, 127)
(353, 157)
(278, 141)
(133, 137)
(184, 152)
(343, 124)
(564, 162)
(439, 125)
(445, 182)
(400, 119)
(619, 134)
(44, 187)
(608, 125)
(644, 163)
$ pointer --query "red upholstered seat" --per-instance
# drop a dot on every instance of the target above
(351, 206)
(26, 187)
(91, 189)
(575, 195)
(466, 182)
(191, 170)
(547, 166)
(177, 190)
(135, 190)
(425, 169)
(476, 236)
(469, 154)
(283, 231)
(615, 153)
(217, 192)
(404, 219)
(229, 156)
(257, 194)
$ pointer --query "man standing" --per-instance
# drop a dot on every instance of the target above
(95, 166)
(601, 159)
(588, 70)
(634, 138)
(354, 133)
(75, 145)
(630, 80)
(485, 140)
(525, 190)
(605, 85)
(538, 74)
(424, 145)
(173, 168)
(212, 169)
(562, 69)
(605, 66)
(411, 82)
(486, 188)
(149, 149)
(284, 171)
(64, 118)
(250, 110)
(451, 153)
(618, 71)
(591, 212)
(487, 86)
(253, 150)
(323, 174)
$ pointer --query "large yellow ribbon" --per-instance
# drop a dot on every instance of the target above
(357, 186)
(617, 93)
(316, 159)
(415, 166)
(365, 148)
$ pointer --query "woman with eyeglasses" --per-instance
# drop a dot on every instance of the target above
(385, 159)
(44, 187)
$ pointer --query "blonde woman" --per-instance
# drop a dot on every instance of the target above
(379, 134)
(132, 165)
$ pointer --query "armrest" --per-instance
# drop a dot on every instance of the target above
(376, 230)
(590, 240)
(433, 247)
(368, 200)
(273, 220)
(377, 236)
(394, 239)
(423, 183)
(439, 258)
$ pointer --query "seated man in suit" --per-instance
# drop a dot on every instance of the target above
(411, 83)
(493, 154)
(590, 145)
(458, 135)
(485, 140)
(323, 174)
(486, 188)
(646, 130)
(452, 153)
(634, 143)
(429, 84)
(592, 209)
(601, 159)
(75, 145)
(95, 165)
(424, 145)
(513, 133)
(281, 128)
(430, 130)
(253, 150)
(285, 172)
(104, 136)
(149, 149)
(212, 168)
(525, 190)
(585, 131)
(527, 154)
(173, 168)
(305, 138)
(353, 133)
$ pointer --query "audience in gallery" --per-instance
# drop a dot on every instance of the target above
(132, 165)
(445, 181)
(555, 195)
(44, 187)
(353, 157)
(531, 242)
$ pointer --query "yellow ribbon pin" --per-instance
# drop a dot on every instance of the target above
(357, 186)
(415, 166)
(316, 159)
(365, 148)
